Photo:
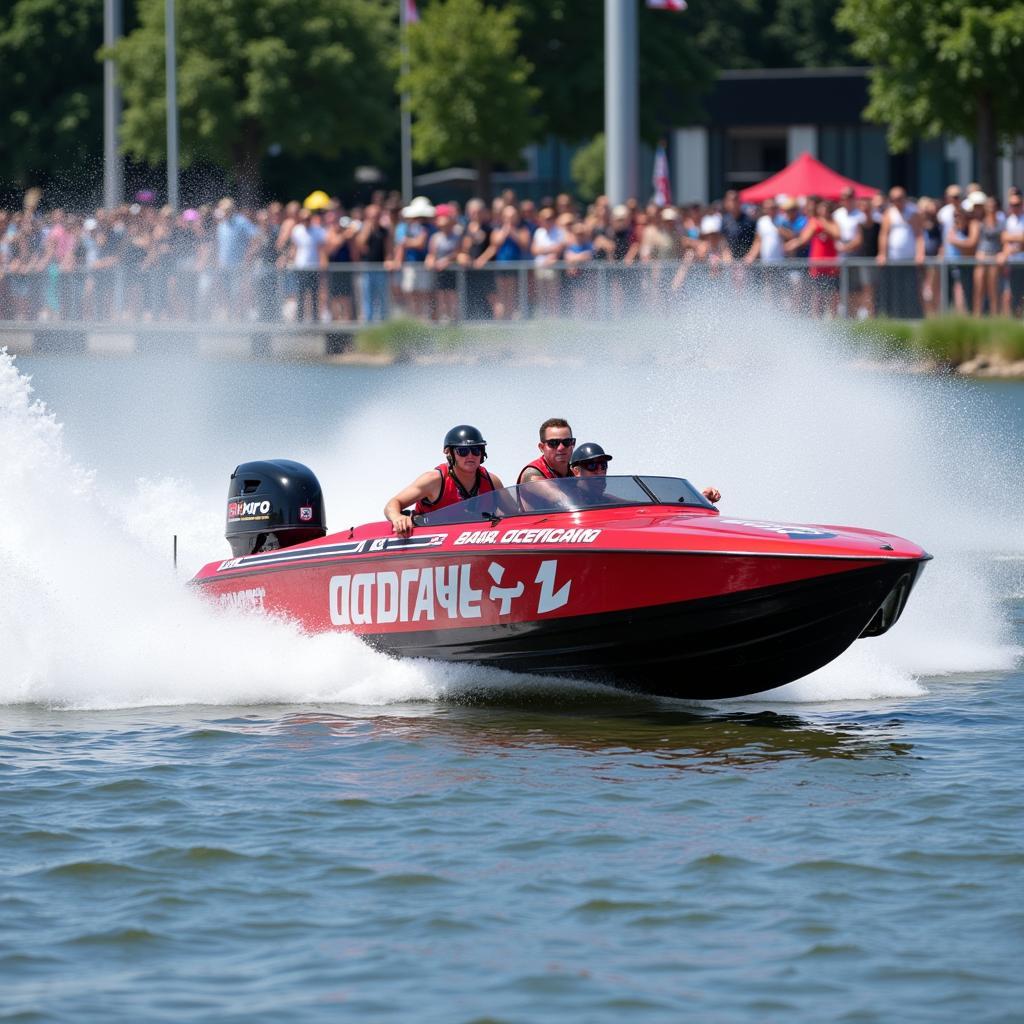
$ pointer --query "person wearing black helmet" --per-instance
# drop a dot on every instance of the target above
(590, 463)
(591, 460)
(459, 477)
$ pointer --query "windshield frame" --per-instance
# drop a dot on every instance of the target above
(565, 495)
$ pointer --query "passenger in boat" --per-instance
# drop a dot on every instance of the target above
(556, 447)
(590, 463)
(460, 477)
(591, 460)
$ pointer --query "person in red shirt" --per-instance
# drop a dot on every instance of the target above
(556, 446)
(459, 478)
(822, 232)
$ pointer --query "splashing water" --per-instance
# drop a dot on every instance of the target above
(775, 412)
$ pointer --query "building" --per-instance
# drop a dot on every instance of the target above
(757, 122)
(760, 120)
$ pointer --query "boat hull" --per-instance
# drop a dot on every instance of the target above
(711, 648)
(680, 624)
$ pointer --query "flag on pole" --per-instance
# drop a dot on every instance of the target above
(660, 179)
(667, 5)
(411, 14)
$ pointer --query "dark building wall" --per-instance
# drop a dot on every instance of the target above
(833, 101)
(789, 96)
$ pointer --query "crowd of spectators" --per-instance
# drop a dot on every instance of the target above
(510, 258)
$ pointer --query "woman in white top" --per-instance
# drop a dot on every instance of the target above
(307, 240)
(768, 247)
(900, 228)
(897, 241)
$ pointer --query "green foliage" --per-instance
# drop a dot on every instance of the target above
(954, 339)
(948, 340)
(950, 67)
(308, 78)
(468, 85)
(51, 86)
(564, 41)
(318, 79)
(404, 338)
(805, 34)
(588, 168)
(886, 337)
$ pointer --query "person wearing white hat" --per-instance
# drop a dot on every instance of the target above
(411, 241)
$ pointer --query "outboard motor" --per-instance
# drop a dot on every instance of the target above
(273, 504)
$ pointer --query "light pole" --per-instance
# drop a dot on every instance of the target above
(621, 105)
(403, 23)
(113, 177)
(172, 107)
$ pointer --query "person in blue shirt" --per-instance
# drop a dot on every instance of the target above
(235, 234)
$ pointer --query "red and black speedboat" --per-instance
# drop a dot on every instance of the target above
(636, 581)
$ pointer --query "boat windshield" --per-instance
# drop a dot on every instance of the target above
(571, 494)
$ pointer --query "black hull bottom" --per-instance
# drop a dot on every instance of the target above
(718, 647)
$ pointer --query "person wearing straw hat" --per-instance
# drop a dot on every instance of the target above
(412, 239)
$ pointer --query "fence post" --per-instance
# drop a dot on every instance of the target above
(460, 290)
(524, 293)
(844, 289)
(119, 291)
(943, 288)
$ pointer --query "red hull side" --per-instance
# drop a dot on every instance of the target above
(450, 590)
(683, 604)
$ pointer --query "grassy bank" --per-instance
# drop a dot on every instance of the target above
(991, 345)
(948, 340)
(405, 338)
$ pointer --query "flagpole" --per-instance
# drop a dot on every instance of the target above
(403, 25)
(172, 105)
(621, 107)
(113, 175)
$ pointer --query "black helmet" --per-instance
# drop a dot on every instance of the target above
(588, 453)
(463, 434)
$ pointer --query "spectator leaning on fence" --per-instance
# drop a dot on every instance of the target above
(374, 246)
(548, 245)
(1013, 253)
(442, 253)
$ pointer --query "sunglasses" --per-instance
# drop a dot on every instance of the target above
(463, 450)
(565, 442)
(595, 466)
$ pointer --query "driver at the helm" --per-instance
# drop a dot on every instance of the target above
(460, 477)
(590, 460)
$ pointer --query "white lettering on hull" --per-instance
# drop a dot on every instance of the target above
(548, 536)
(245, 600)
(444, 592)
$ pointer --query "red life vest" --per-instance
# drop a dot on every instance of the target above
(544, 469)
(452, 491)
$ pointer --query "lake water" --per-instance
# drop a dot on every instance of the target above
(209, 817)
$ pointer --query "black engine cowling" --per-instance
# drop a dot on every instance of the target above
(273, 504)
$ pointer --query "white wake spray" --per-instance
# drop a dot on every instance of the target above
(771, 409)
(92, 614)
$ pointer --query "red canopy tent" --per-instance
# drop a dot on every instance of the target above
(805, 176)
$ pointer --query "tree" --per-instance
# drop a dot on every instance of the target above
(587, 168)
(468, 87)
(950, 67)
(51, 89)
(803, 33)
(306, 78)
(564, 41)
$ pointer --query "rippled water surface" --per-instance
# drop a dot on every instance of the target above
(208, 816)
(594, 858)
